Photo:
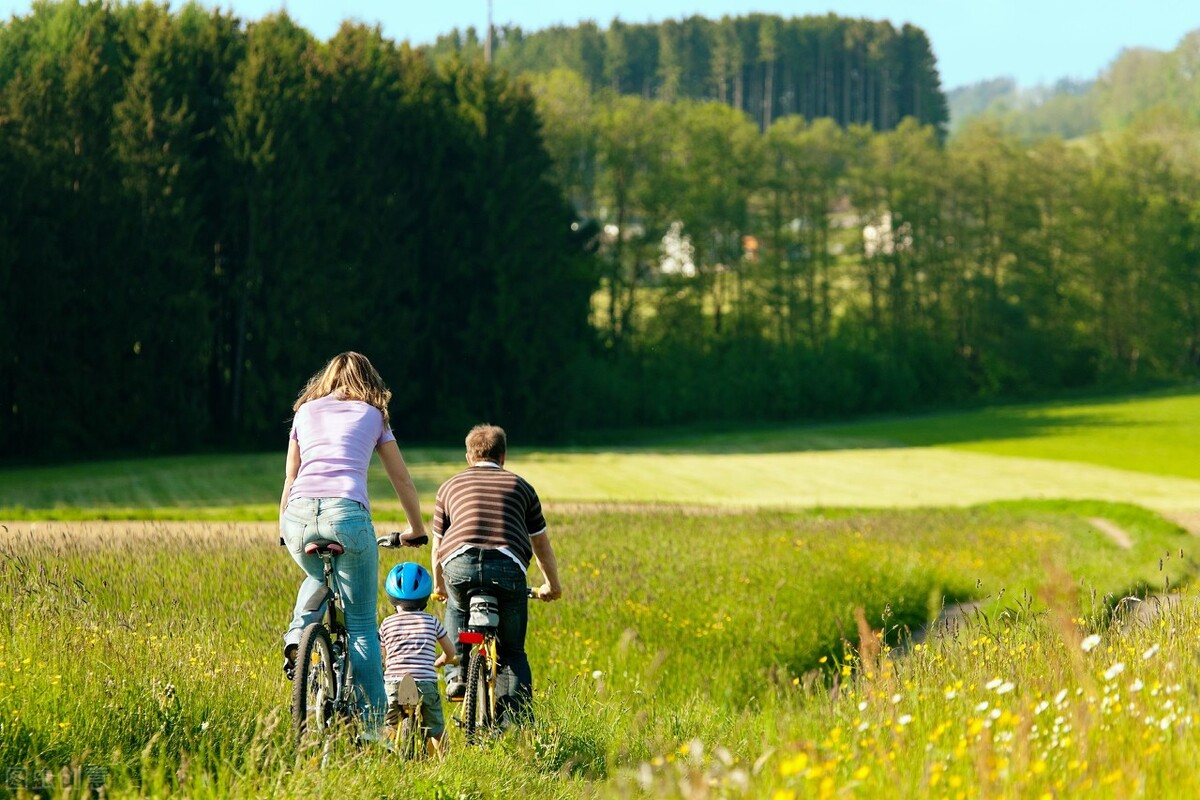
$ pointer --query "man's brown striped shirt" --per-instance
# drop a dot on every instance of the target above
(489, 508)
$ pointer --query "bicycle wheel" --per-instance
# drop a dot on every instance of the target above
(477, 703)
(410, 739)
(316, 688)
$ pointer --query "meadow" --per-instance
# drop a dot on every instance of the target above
(708, 645)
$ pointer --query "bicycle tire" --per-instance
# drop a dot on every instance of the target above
(411, 737)
(477, 705)
(315, 683)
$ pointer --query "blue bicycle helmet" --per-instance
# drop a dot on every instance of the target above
(409, 581)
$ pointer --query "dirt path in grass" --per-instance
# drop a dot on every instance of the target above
(1116, 534)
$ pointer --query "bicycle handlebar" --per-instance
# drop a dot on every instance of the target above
(404, 538)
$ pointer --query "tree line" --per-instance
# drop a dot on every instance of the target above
(197, 213)
(817, 269)
(854, 71)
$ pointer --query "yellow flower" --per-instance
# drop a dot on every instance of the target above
(794, 765)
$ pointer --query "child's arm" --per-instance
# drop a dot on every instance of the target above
(448, 655)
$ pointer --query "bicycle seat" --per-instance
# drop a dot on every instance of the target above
(484, 612)
(324, 547)
(407, 693)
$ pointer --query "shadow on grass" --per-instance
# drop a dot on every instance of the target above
(880, 433)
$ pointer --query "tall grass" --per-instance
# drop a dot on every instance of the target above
(706, 643)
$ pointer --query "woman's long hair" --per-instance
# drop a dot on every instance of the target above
(352, 377)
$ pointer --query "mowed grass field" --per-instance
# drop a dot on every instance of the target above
(1133, 449)
(727, 629)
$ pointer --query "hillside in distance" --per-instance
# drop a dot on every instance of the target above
(850, 70)
(1137, 81)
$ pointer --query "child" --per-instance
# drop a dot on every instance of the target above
(410, 638)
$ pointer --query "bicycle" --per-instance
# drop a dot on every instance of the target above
(479, 702)
(323, 695)
(403, 722)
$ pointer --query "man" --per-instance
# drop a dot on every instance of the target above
(487, 526)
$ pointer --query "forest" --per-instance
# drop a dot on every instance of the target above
(854, 71)
(199, 211)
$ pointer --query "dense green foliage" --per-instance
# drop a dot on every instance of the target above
(657, 643)
(197, 214)
(200, 212)
(816, 269)
(851, 70)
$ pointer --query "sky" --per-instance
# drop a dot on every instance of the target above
(1033, 41)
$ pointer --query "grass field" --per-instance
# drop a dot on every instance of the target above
(710, 643)
(1138, 450)
(150, 649)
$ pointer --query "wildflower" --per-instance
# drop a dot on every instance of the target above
(982, 706)
(1058, 698)
(1149, 654)
(992, 684)
(1090, 642)
(1005, 687)
(597, 675)
(794, 765)
(1115, 670)
(1136, 686)
(904, 719)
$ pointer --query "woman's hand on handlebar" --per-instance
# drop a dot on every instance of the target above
(405, 538)
(546, 593)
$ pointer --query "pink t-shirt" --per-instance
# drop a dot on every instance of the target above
(336, 440)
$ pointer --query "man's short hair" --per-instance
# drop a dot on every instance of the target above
(486, 443)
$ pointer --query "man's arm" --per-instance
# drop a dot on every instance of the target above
(544, 554)
(435, 569)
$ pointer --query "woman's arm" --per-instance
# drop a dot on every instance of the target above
(291, 469)
(397, 472)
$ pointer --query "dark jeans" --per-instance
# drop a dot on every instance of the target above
(492, 572)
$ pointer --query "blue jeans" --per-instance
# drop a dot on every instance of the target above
(348, 523)
(492, 572)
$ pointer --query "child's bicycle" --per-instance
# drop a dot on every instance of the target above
(323, 695)
(403, 722)
(478, 715)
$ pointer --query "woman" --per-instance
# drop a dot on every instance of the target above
(341, 418)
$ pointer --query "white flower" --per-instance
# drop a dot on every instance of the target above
(1149, 654)
(1005, 687)
(1115, 670)
(904, 719)
(896, 699)
(951, 694)
(1136, 686)
(1042, 706)
(993, 683)
(982, 707)
(1058, 698)
(862, 706)
(597, 675)
(1090, 642)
